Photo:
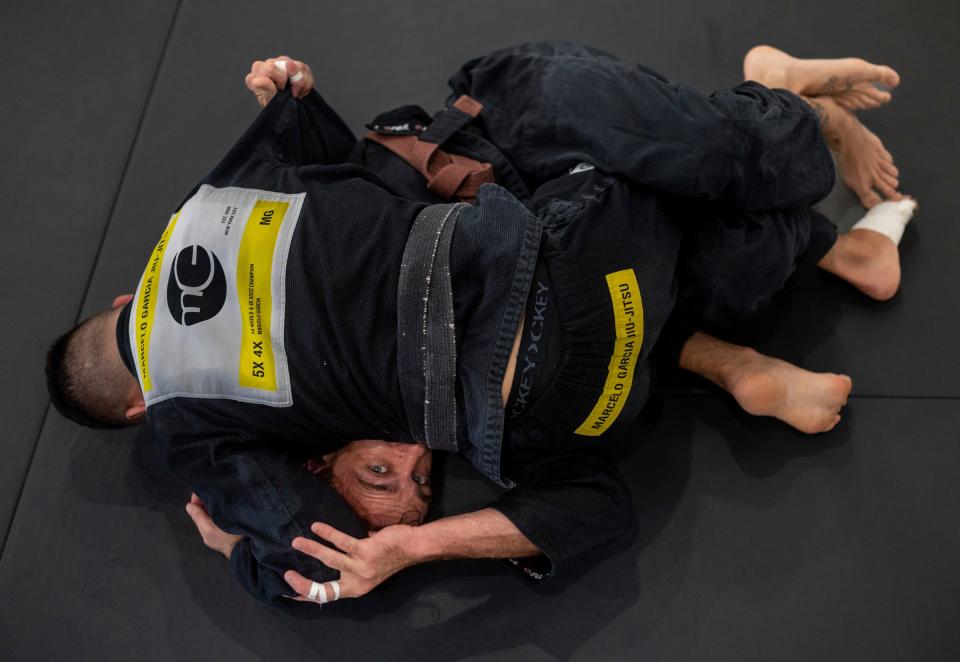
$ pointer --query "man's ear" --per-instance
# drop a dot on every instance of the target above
(121, 300)
(136, 409)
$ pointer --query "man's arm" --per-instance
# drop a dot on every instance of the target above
(562, 506)
(212, 535)
(317, 134)
(364, 564)
(289, 131)
(483, 534)
(566, 505)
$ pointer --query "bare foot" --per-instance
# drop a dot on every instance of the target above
(868, 260)
(808, 401)
(765, 386)
(850, 81)
(865, 165)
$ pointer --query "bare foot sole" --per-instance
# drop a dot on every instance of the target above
(865, 164)
(850, 81)
(808, 401)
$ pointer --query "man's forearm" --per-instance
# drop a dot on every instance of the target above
(485, 533)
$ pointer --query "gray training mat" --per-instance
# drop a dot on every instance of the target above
(754, 542)
(76, 80)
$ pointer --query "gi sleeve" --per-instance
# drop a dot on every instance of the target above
(566, 505)
(289, 132)
(313, 132)
(264, 494)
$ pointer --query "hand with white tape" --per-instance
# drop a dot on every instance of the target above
(363, 563)
(268, 76)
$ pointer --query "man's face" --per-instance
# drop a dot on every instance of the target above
(384, 482)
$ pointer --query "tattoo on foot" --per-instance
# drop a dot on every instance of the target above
(836, 85)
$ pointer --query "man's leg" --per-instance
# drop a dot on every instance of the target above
(551, 106)
(833, 88)
(765, 386)
(733, 266)
(851, 82)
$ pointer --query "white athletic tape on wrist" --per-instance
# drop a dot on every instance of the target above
(317, 593)
(889, 218)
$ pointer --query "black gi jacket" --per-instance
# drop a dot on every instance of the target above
(243, 458)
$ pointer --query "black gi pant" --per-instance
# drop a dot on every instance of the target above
(706, 198)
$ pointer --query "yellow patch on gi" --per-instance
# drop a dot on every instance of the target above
(628, 320)
(147, 303)
(254, 266)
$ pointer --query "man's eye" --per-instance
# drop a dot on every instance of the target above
(420, 480)
(378, 469)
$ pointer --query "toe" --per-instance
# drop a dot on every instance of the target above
(888, 76)
(869, 198)
(847, 102)
(888, 179)
(851, 101)
(863, 101)
(848, 382)
(832, 424)
(909, 204)
(870, 90)
(884, 187)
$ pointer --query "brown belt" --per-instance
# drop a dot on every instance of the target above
(448, 175)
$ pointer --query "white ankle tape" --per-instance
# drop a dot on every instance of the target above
(889, 218)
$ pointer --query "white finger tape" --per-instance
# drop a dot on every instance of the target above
(281, 64)
(317, 593)
(296, 77)
(336, 589)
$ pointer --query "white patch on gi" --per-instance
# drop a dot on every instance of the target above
(192, 333)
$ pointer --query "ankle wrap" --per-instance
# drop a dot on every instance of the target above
(889, 218)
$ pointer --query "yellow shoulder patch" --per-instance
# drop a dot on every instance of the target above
(628, 320)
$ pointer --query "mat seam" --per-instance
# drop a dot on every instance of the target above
(96, 258)
(857, 396)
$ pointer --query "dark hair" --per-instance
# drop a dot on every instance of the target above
(77, 389)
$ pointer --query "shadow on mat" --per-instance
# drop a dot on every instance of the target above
(460, 609)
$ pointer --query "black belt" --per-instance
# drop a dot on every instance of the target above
(426, 340)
